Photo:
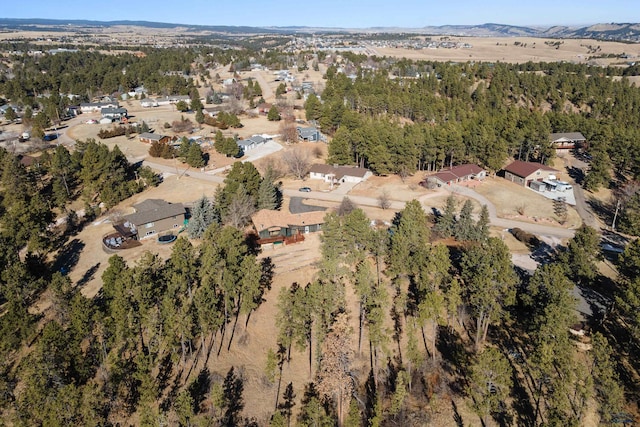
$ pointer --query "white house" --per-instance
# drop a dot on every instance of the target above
(95, 107)
(338, 174)
(149, 102)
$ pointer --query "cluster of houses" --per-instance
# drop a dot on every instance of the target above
(152, 217)
(109, 109)
(165, 100)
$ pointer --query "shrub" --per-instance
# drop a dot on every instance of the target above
(525, 237)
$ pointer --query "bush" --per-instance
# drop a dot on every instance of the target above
(527, 238)
(162, 149)
(116, 131)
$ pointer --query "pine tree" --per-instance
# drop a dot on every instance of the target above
(445, 224)
(490, 280)
(465, 225)
(274, 114)
(490, 383)
(202, 216)
(267, 195)
(481, 231)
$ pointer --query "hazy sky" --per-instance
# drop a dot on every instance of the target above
(334, 13)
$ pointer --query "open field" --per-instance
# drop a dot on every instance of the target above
(504, 49)
(509, 198)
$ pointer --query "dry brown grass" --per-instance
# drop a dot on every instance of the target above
(503, 49)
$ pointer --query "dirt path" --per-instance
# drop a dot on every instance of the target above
(267, 91)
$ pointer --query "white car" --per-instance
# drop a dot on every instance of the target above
(91, 122)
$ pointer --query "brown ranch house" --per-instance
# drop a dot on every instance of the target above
(279, 227)
(149, 138)
(524, 173)
(454, 175)
(151, 217)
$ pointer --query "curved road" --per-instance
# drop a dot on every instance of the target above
(540, 229)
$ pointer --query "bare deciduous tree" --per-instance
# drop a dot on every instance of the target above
(334, 378)
(288, 131)
(346, 207)
(297, 161)
(383, 200)
(240, 209)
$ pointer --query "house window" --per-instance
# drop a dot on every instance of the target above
(149, 225)
(149, 233)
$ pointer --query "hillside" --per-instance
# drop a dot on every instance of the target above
(602, 31)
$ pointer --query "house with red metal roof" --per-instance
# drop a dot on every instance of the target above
(524, 173)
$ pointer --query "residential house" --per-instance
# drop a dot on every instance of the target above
(310, 134)
(337, 174)
(149, 102)
(151, 217)
(139, 91)
(457, 174)
(264, 108)
(211, 112)
(5, 107)
(96, 107)
(567, 140)
(173, 99)
(250, 143)
(278, 226)
(29, 161)
(150, 137)
(524, 173)
(114, 113)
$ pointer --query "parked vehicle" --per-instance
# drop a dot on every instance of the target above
(305, 189)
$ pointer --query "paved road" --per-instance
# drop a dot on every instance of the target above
(540, 229)
(582, 207)
(544, 230)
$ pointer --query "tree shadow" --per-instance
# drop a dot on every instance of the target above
(454, 357)
(199, 389)
(68, 256)
(603, 210)
(456, 415)
(577, 174)
(543, 253)
(164, 374)
(88, 275)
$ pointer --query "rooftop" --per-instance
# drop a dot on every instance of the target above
(265, 219)
(154, 210)
(524, 169)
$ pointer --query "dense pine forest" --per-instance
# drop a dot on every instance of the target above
(442, 313)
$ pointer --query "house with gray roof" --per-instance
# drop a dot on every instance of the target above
(311, 134)
(113, 113)
(151, 217)
(251, 143)
(96, 107)
(567, 140)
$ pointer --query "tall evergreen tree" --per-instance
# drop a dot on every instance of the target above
(202, 215)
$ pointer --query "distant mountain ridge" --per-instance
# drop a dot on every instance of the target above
(629, 32)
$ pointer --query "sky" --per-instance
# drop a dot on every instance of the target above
(335, 13)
